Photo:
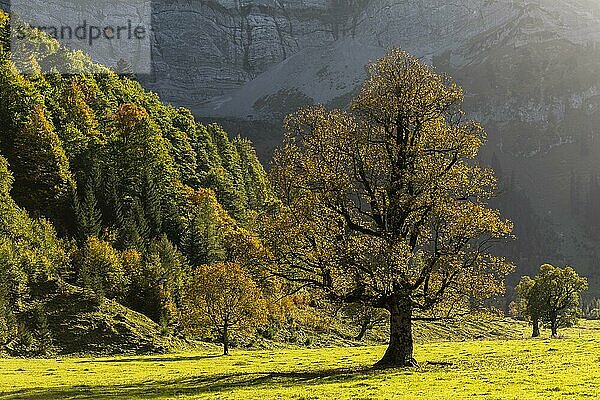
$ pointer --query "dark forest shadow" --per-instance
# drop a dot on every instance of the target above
(149, 359)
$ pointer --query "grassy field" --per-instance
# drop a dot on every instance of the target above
(566, 368)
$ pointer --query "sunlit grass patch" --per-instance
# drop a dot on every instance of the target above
(566, 368)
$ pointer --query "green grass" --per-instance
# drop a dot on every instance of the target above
(567, 368)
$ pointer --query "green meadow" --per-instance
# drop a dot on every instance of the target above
(564, 368)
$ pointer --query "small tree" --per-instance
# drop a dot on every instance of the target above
(528, 303)
(101, 269)
(552, 297)
(225, 297)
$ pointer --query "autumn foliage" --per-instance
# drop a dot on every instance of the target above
(224, 296)
(386, 205)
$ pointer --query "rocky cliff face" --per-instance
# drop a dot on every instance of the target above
(226, 58)
(204, 49)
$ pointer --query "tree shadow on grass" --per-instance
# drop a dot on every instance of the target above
(190, 385)
(149, 359)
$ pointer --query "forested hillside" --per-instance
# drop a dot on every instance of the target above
(105, 187)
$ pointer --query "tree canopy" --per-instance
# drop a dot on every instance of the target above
(225, 295)
(552, 297)
(385, 204)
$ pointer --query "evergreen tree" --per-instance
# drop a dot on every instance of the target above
(220, 180)
(124, 68)
(152, 206)
(255, 179)
(180, 136)
(88, 214)
(207, 155)
(202, 240)
(232, 164)
(156, 280)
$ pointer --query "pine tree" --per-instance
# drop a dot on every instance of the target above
(88, 215)
(230, 160)
(221, 181)
(124, 68)
(180, 136)
(152, 206)
(255, 178)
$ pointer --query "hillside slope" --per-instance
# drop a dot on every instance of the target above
(105, 187)
(81, 322)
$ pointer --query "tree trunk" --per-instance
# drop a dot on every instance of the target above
(536, 327)
(400, 349)
(363, 329)
(225, 340)
(554, 327)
